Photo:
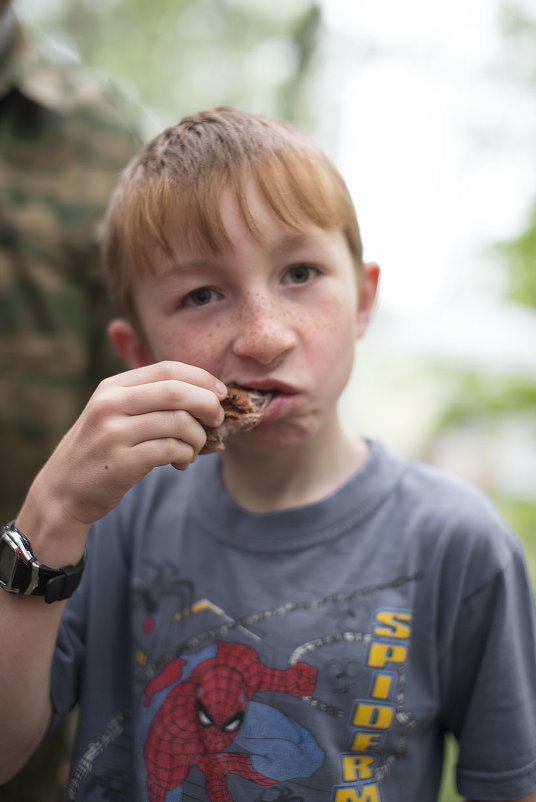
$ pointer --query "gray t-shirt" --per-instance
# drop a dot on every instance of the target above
(318, 654)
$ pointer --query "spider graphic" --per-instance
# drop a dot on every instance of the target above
(202, 715)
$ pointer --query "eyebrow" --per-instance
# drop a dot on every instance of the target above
(293, 241)
(187, 266)
(278, 245)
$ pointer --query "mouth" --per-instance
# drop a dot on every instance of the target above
(263, 391)
(243, 410)
(258, 398)
(272, 398)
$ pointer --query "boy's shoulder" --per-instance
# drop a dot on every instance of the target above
(443, 495)
(455, 521)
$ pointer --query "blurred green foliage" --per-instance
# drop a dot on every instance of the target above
(480, 396)
(519, 31)
(178, 56)
(518, 256)
(448, 791)
(518, 260)
(520, 514)
(485, 396)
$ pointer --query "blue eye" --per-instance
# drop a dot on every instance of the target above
(300, 274)
(199, 297)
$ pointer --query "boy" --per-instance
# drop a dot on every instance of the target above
(302, 616)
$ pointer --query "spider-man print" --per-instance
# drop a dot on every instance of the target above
(203, 713)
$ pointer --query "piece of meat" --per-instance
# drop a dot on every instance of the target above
(244, 409)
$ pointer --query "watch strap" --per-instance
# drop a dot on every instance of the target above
(58, 584)
(31, 578)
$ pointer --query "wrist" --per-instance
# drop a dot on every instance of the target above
(57, 538)
(21, 572)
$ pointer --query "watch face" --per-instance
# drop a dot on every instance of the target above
(16, 561)
(7, 559)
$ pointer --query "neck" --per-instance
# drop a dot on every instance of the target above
(270, 482)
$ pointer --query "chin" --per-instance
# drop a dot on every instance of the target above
(273, 440)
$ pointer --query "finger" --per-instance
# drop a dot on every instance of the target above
(173, 395)
(179, 371)
(169, 424)
(163, 451)
(182, 466)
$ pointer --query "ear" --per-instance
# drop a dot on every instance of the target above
(129, 344)
(366, 297)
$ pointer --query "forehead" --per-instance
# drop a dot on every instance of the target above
(249, 216)
(249, 224)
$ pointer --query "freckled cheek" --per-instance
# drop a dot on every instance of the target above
(194, 348)
(331, 328)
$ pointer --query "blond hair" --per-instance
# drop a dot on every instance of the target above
(180, 176)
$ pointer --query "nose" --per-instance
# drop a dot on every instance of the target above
(264, 330)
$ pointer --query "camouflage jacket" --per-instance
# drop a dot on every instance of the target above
(63, 141)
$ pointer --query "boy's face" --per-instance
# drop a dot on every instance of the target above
(281, 314)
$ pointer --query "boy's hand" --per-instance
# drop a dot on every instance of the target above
(134, 422)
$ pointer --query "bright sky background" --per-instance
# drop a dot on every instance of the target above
(436, 142)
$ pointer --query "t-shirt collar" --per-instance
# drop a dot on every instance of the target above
(303, 527)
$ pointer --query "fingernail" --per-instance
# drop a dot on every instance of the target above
(221, 389)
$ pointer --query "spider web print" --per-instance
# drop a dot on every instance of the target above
(194, 643)
(116, 725)
(408, 722)
(84, 767)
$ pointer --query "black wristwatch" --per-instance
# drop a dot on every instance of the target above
(21, 573)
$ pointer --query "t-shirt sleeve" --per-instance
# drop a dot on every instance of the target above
(68, 657)
(94, 615)
(489, 677)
